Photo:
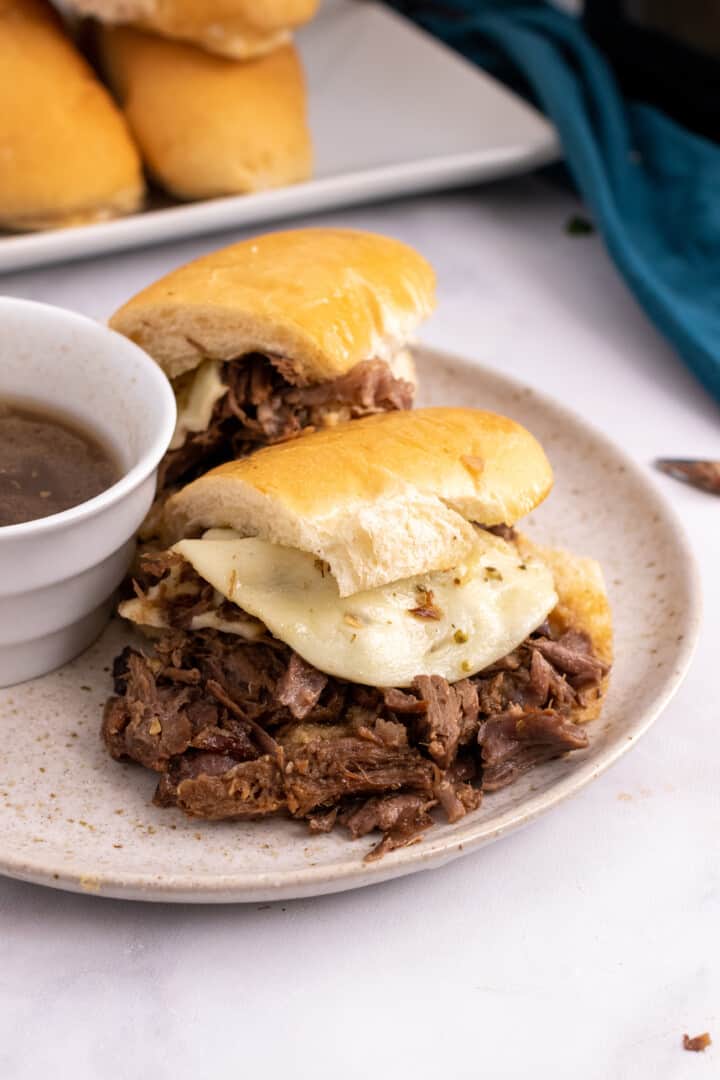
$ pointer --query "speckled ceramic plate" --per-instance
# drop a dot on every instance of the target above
(72, 818)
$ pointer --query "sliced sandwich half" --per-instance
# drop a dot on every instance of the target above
(280, 334)
(349, 629)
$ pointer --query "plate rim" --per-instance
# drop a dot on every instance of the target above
(352, 872)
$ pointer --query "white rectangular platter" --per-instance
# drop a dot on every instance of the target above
(392, 111)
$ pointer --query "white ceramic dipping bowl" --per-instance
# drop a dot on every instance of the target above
(58, 574)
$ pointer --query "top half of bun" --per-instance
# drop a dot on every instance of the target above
(240, 29)
(378, 499)
(323, 299)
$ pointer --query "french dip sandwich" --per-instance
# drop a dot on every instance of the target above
(279, 334)
(349, 630)
(66, 155)
(241, 29)
(208, 126)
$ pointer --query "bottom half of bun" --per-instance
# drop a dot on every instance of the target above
(583, 605)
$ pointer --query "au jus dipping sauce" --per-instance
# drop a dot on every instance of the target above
(48, 463)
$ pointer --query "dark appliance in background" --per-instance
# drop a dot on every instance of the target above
(665, 52)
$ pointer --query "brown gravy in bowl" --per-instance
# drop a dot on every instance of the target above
(48, 463)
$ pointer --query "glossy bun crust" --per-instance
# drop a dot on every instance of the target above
(66, 154)
(378, 499)
(322, 299)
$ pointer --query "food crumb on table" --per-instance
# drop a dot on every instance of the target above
(697, 1043)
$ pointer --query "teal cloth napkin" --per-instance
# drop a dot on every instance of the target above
(652, 186)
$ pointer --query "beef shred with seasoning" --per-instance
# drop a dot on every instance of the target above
(242, 729)
(262, 407)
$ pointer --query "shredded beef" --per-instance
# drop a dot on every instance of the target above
(402, 703)
(514, 741)
(300, 687)
(401, 818)
(243, 729)
(573, 655)
(327, 770)
(249, 789)
(262, 406)
(150, 724)
(323, 821)
(467, 695)
(439, 728)
(539, 672)
(389, 732)
(457, 789)
(505, 532)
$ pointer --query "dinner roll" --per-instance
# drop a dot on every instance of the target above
(208, 126)
(67, 155)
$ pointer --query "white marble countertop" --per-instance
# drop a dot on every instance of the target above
(581, 947)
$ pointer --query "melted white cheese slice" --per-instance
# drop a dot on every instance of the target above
(485, 608)
(196, 400)
(151, 609)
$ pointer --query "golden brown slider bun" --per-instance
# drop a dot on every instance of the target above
(323, 299)
(378, 499)
(66, 156)
(241, 29)
(208, 126)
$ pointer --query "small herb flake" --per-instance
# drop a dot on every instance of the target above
(492, 574)
(577, 225)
